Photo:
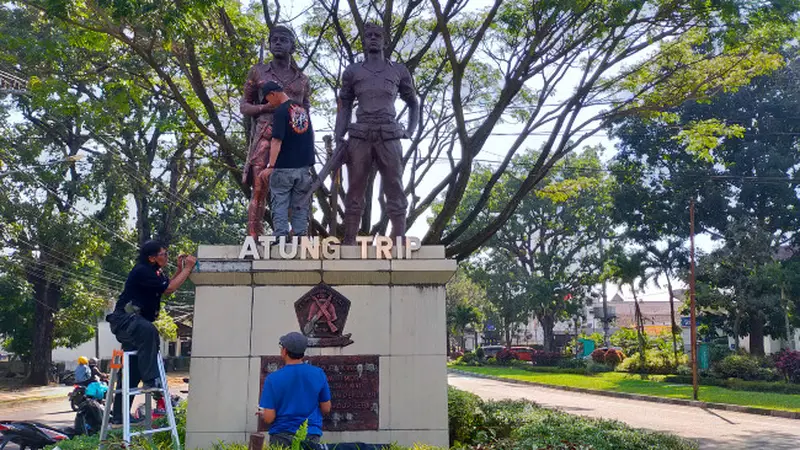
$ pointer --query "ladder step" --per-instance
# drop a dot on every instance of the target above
(139, 391)
(153, 431)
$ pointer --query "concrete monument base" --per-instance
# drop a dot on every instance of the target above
(388, 385)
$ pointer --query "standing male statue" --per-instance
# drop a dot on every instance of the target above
(375, 135)
(284, 71)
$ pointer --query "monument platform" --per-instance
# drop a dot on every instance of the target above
(387, 365)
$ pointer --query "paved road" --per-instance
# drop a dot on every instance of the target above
(711, 429)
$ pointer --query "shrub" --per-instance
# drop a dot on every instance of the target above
(745, 367)
(599, 356)
(464, 415)
(469, 357)
(627, 340)
(614, 357)
(594, 367)
(545, 358)
(480, 353)
(656, 362)
(788, 364)
(572, 363)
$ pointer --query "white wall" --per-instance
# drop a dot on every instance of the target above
(108, 343)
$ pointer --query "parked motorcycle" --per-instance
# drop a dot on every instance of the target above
(76, 397)
(31, 435)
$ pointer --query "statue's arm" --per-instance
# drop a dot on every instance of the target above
(409, 95)
(249, 104)
(345, 111)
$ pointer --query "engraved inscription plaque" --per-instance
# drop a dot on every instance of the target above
(354, 389)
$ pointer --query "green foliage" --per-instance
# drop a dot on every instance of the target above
(522, 424)
(655, 362)
(626, 339)
(464, 415)
(544, 261)
(744, 367)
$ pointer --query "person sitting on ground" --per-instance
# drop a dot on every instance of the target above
(136, 310)
(295, 393)
(97, 375)
(83, 375)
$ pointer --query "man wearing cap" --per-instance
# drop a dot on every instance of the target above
(295, 393)
(291, 156)
(283, 70)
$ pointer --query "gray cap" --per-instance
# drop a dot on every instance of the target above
(294, 342)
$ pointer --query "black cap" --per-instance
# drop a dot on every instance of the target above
(269, 87)
(294, 342)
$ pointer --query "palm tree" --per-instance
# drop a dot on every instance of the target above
(629, 268)
(664, 263)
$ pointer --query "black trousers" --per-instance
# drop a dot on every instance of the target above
(135, 332)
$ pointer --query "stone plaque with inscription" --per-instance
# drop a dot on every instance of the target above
(354, 389)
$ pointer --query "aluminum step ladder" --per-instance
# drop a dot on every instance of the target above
(120, 362)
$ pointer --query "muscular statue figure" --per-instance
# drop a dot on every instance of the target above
(284, 71)
(375, 135)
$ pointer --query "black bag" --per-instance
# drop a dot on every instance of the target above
(89, 418)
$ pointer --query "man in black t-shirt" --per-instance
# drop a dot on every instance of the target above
(138, 307)
(290, 158)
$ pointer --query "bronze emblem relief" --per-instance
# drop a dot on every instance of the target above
(322, 314)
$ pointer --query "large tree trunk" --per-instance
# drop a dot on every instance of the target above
(46, 295)
(756, 335)
(548, 323)
(674, 328)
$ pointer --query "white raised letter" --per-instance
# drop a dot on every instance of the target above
(383, 247)
(412, 245)
(400, 247)
(309, 247)
(364, 241)
(282, 248)
(249, 248)
(266, 241)
(330, 248)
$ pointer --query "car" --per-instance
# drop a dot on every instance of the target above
(523, 353)
(490, 351)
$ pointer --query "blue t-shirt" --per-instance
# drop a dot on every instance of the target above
(82, 373)
(295, 392)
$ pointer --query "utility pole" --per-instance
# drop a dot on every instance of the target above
(606, 331)
(693, 319)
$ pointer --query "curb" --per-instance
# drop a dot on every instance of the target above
(640, 397)
(38, 399)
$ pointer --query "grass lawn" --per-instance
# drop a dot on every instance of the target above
(634, 384)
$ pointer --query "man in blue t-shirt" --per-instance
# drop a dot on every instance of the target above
(291, 156)
(295, 393)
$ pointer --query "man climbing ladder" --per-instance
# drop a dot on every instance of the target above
(136, 310)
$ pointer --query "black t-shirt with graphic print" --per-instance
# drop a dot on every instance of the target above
(292, 125)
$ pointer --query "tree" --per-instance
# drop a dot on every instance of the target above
(500, 276)
(629, 267)
(553, 237)
(465, 304)
(500, 65)
(742, 281)
(748, 176)
(89, 136)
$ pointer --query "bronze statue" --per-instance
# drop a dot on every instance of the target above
(284, 71)
(375, 135)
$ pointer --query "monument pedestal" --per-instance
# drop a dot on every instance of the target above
(388, 385)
